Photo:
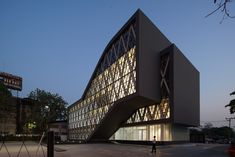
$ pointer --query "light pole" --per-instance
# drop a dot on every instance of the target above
(229, 125)
(47, 108)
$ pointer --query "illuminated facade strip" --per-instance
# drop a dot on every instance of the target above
(115, 79)
(151, 113)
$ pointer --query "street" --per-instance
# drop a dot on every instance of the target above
(120, 150)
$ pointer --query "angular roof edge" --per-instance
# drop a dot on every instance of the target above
(134, 16)
(175, 47)
(108, 46)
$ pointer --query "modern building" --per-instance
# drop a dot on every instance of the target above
(142, 86)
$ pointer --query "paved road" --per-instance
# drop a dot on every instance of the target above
(200, 150)
(123, 150)
(120, 150)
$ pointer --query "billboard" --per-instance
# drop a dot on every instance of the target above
(11, 81)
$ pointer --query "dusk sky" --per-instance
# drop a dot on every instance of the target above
(55, 45)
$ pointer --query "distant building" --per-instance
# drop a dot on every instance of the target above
(25, 108)
(9, 111)
(142, 86)
(17, 113)
(60, 129)
(8, 119)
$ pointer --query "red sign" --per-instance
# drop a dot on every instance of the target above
(11, 81)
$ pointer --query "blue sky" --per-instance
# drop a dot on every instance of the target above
(55, 45)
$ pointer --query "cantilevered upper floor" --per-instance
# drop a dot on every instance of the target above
(139, 67)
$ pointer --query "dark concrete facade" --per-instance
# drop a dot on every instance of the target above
(150, 42)
(186, 92)
(184, 86)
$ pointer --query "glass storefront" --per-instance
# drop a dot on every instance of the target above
(163, 132)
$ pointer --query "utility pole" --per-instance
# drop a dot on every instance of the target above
(229, 125)
(229, 121)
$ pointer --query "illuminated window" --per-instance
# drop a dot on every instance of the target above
(115, 78)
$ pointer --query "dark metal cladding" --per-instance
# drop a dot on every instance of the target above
(141, 78)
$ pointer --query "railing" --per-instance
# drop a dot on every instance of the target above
(26, 148)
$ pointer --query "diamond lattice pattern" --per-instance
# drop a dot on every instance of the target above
(115, 78)
(156, 111)
(152, 112)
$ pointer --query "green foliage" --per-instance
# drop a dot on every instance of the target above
(231, 104)
(208, 125)
(48, 107)
(29, 126)
(233, 93)
(218, 133)
(4, 91)
(215, 134)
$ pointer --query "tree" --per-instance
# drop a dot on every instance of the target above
(232, 104)
(215, 134)
(218, 133)
(208, 125)
(48, 107)
(222, 5)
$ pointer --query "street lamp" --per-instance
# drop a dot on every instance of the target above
(47, 115)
